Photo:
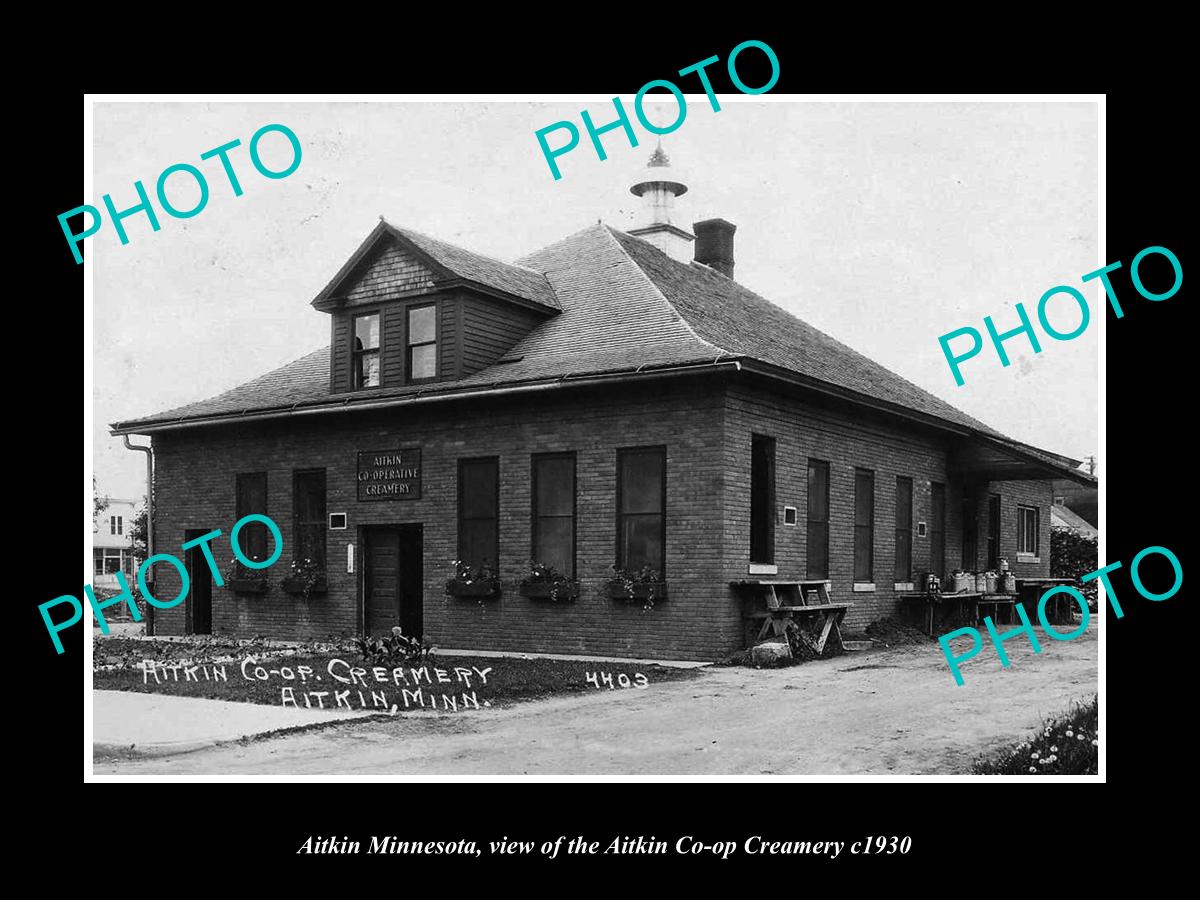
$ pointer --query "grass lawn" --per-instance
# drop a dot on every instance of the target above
(510, 679)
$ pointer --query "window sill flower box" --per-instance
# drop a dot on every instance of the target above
(656, 590)
(478, 582)
(247, 585)
(478, 590)
(545, 590)
(294, 585)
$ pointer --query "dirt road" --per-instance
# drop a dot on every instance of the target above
(885, 711)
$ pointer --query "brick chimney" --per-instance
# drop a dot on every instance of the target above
(714, 244)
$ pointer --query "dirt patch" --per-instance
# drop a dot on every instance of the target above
(892, 632)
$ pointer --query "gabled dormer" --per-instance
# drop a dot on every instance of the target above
(406, 309)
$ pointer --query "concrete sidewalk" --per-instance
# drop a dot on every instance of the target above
(126, 723)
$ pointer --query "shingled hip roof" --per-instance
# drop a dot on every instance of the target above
(512, 279)
(625, 307)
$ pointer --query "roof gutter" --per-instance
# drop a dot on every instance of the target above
(149, 451)
(616, 377)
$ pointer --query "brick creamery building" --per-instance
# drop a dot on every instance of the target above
(613, 399)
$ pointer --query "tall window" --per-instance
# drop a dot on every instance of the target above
(308, 489)
(904, 502)
(864, 525)
(937, 529)
(641, 509)
(116, 524)
(479, 512)
(553, 476)
(1027, 530)
(993, 539)
(366, 351)
(818, 519)
(762, 499)
(251, 499)
(422, 343)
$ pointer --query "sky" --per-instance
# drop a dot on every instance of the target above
(885, 225)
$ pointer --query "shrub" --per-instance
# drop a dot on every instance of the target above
(1069, 745)
(393, 651)
(1073, 555)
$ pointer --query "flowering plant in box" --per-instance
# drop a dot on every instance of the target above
(643, 584)
(308, 574)
(239, 577)
(479, 581)
(546, 581)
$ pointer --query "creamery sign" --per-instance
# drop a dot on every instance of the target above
(389, 474)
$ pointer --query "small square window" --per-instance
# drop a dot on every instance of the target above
(337, 521)
(789, 515)
(921, 529)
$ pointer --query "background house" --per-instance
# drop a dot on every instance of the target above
(112, 546)
(1062, 516)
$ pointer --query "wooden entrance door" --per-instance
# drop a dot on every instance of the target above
(392, 580)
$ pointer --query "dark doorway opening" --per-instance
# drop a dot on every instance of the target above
(762, 499)
(937, 529)
(393, 580)
(199, 598)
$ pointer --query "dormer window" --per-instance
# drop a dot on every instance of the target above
(366, 351)
(421, 364)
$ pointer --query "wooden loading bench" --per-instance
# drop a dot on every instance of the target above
(933, 609)
(786, 601)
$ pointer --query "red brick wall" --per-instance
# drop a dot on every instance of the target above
(845, 441)
(707, 433)
(195, 489)
(1039, 494)
(849, 439)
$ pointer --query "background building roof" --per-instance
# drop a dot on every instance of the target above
(1062, 517)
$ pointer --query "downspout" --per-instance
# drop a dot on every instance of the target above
(149, 451)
